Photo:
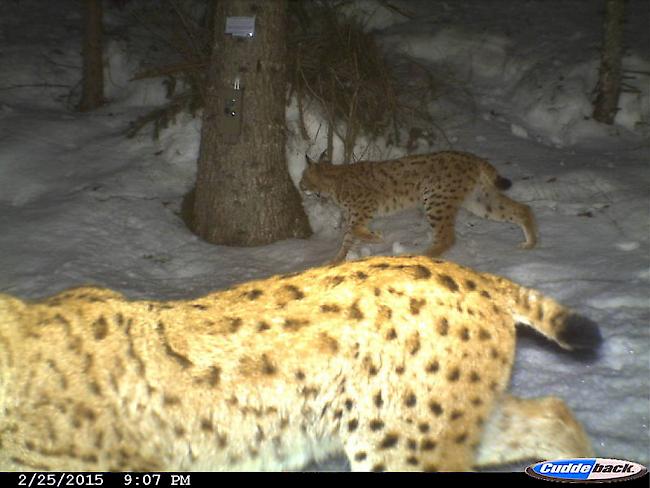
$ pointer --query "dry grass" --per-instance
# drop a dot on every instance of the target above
(339, 66)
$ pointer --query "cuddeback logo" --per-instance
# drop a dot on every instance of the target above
(587, 470)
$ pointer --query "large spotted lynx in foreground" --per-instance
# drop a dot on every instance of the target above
(441, 182)
(400, 363)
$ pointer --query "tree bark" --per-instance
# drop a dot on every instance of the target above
(608, 88)
(92, 95)
(244, 195)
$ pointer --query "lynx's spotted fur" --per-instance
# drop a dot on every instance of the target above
(442, 182)
(400, 363)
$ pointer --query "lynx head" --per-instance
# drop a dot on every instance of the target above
(315, 178)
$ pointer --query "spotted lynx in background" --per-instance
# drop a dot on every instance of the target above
(442, 182)
(400, 363)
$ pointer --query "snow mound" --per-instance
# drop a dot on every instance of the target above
(119, 69)
(375, 15)
(546, 98)
(473, 56)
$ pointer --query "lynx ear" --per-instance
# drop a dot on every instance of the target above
(322, 159)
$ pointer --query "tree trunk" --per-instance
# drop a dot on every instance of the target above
(92, 95)
(608, 88)
(244, 195)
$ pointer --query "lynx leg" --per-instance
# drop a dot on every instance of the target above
(358, 218)
(390, 444)
(531, 430)
(490, 204)
(348, 240)
(355, 228)
(369, 456)
(363, 233)
(441, 214)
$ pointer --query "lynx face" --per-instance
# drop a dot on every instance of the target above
(442, 183)
(399, 363)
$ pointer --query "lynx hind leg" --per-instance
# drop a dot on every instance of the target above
(531, 430)
(391, 444)
(410, 426)
(488, 203)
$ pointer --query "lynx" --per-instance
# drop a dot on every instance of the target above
(400, 363)
(442, 182)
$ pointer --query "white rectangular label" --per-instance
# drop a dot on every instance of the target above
(240, 26)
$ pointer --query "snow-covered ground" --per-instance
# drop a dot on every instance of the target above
(80, 203)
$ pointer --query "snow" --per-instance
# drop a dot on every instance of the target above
(81, 203)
